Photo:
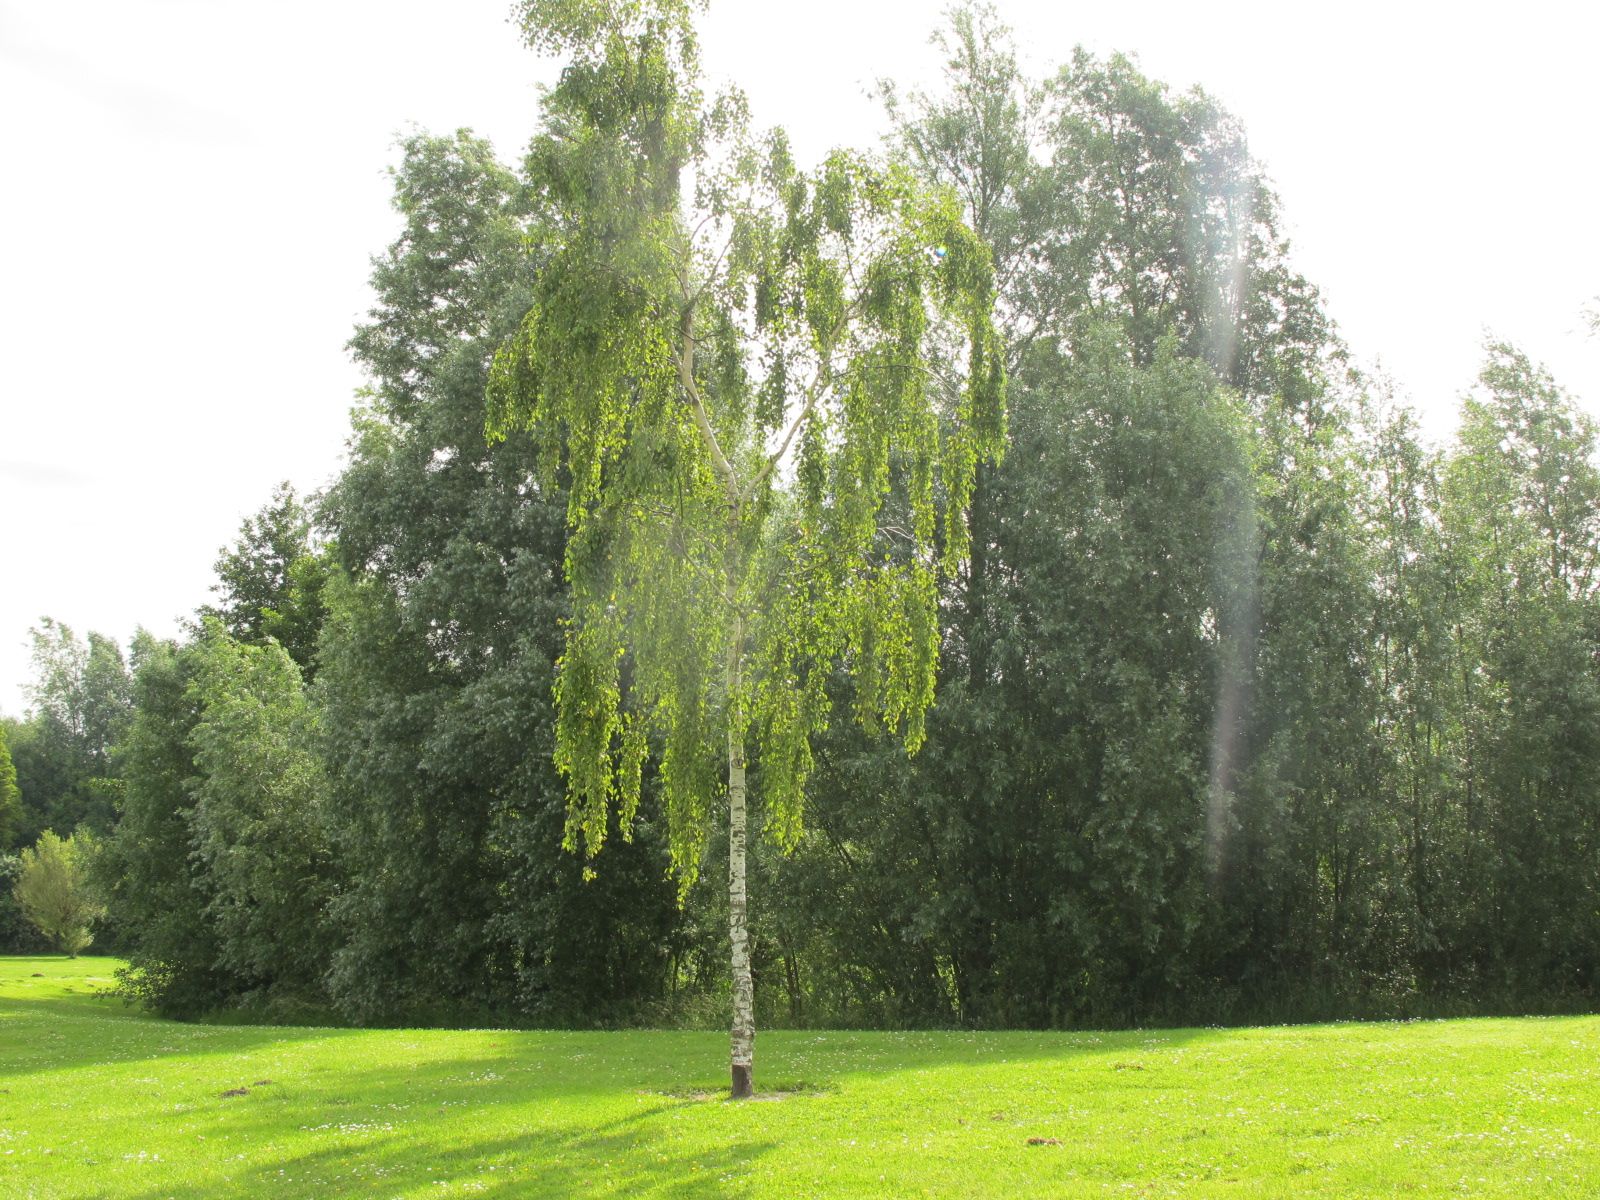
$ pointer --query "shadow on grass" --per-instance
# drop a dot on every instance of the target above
(89, 1028)
(559, 1151)
(65, 1033)
(538, 1164)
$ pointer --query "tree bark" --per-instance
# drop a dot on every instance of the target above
(744, 1017)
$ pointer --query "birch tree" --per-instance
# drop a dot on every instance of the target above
(766, 391)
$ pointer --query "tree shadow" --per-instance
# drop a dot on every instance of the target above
(449, 1126)
(599, 1162)
(54, 1033)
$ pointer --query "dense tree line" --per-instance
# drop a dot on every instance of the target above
(1251, 703)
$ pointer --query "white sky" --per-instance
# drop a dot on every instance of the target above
(190, 191)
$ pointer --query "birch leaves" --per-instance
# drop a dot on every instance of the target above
(766, 391)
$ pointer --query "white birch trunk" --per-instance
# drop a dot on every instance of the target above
(744, 1017)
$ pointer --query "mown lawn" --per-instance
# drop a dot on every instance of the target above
(99, 1101)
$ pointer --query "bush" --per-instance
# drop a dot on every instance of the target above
(54, 891)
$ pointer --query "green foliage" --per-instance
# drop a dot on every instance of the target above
(458, 257)
(1519, 512)
(159, 889)
(1062, 804)
(216, 868)
(1525, 484)
(18, 935)
(220, 870)
(80, 705)
(979, 138)
(270, 584)
(591, 29)
(439, 660)
(10, 794)
(1290, 816)
(55, 892)
(1165, 219)
(676, 351)
(257, 824)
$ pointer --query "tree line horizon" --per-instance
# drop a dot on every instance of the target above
(1251, 704)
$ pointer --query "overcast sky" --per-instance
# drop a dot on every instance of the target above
(191, 191)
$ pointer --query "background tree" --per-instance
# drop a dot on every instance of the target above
(1044, 861)
(1520, 512)
(80, 703)
(270, 583)
(167, 899)
(16, 931)
(1415, 674)
(10, 794)
(681, 344)
(983, 135)
(54, 890)
(439, 657)
(257, 825)
(150, 875)
(1033, 783)
(18, 935)
(219, 870)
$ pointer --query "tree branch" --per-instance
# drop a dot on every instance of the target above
(685, 356)
(783, 448)
(823, 380)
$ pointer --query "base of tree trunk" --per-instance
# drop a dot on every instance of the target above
(743, 1084)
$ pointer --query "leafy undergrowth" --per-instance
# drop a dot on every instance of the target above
(99, 1101)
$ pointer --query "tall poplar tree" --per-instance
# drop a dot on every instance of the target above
(710, 322)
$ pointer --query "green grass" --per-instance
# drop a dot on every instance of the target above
(97, 1100)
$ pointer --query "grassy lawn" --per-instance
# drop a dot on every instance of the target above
(99, 1101)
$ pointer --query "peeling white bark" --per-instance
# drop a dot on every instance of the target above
(744, 1016)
